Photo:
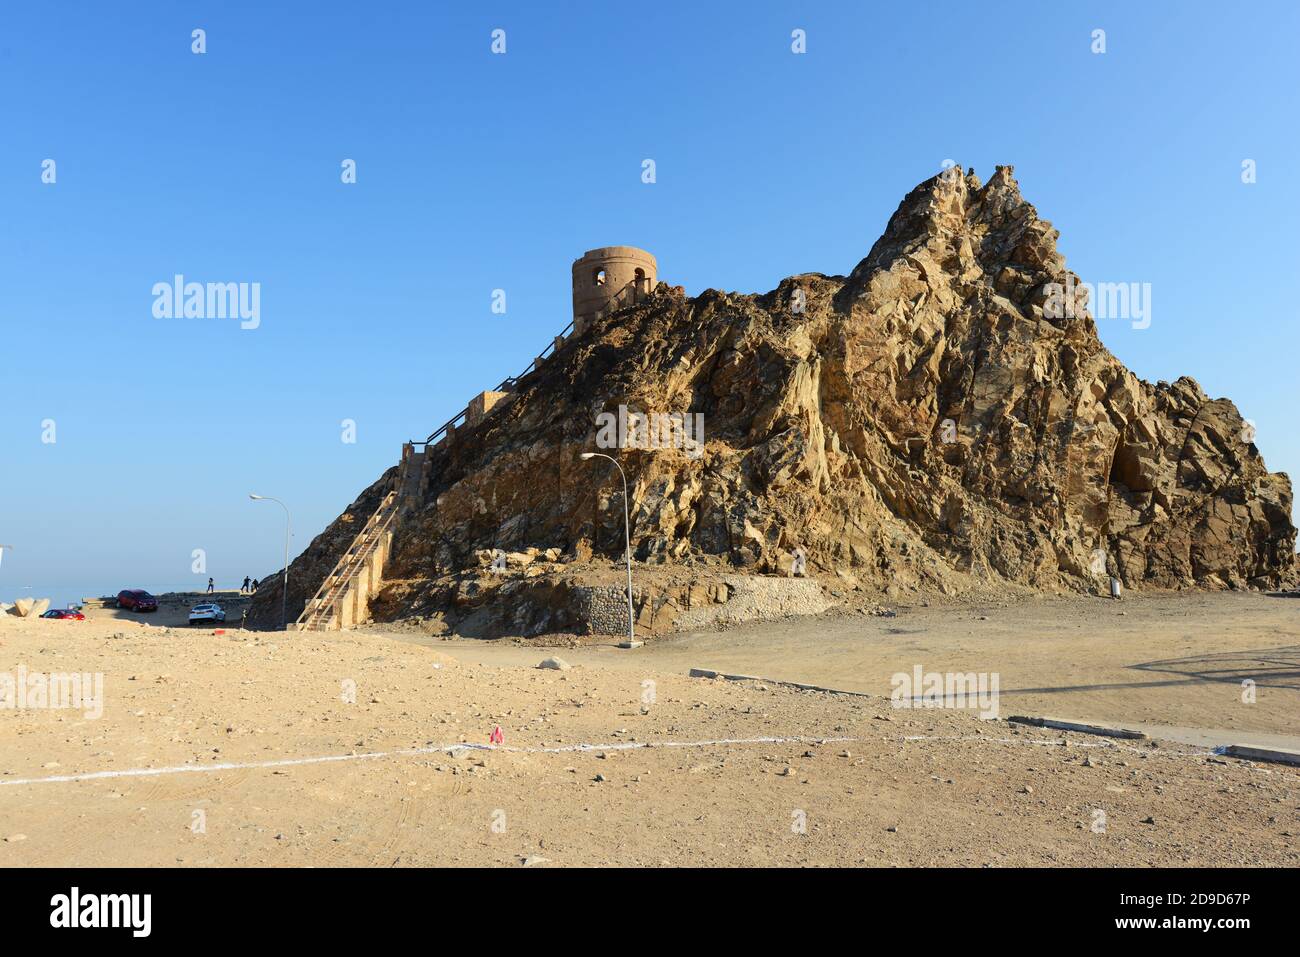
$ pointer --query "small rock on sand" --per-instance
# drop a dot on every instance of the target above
(555, 664)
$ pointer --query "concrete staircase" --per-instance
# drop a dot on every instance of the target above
(343, 597)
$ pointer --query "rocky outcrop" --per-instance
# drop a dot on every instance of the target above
(924, 422)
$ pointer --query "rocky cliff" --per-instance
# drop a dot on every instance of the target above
(928, 422)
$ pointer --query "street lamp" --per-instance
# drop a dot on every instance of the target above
(284, 593)
(627, 542)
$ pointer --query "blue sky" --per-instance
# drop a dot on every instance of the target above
(478, 171)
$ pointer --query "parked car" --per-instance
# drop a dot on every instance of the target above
(136, 599)
(208, 611)
(71, 613)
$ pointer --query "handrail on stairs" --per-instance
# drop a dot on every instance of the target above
(339, 581)
(364, 543)
(360, 546)
(511, 383)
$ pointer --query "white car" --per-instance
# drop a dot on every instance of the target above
(208, 611)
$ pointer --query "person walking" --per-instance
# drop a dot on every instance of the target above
(243, 589)
(254, 586)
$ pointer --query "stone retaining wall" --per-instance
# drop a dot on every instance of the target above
(602, 610)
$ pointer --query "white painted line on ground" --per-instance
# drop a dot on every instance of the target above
(411, 752)
(578, 748)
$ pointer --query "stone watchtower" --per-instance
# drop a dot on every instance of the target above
(609, 278)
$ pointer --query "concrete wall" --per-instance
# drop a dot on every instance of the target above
(481, 405)
(609, 273)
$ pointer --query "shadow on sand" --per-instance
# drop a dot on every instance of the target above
(1267, 667)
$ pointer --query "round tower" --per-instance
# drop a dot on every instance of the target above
(609, 278)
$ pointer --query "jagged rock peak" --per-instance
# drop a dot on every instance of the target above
(922, 424)
(952, 213)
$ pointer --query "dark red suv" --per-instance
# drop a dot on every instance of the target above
(136, 599)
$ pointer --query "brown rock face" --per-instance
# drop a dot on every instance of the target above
(923, 423)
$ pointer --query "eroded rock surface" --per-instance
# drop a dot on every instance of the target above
(922, 423)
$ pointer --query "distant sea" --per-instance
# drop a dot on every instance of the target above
(65, 596)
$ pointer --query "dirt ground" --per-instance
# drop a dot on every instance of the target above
(173, 608)
(1171, 665)
(316, 749)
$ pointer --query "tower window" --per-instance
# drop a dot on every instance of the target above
(598, 278)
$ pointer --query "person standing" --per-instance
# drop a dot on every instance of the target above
(209, 586)
(243, 589)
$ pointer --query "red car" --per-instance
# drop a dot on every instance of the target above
(64, 613)
(136, 599)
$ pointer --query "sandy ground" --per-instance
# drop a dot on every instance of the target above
(215, 713)
(1170, 665)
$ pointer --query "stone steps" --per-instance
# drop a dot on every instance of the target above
(342, 600)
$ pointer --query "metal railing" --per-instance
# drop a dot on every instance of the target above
(363, 545)
(507, 385)
(510, 384)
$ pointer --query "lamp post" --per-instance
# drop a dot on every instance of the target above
(284, 591)
(627, 543)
